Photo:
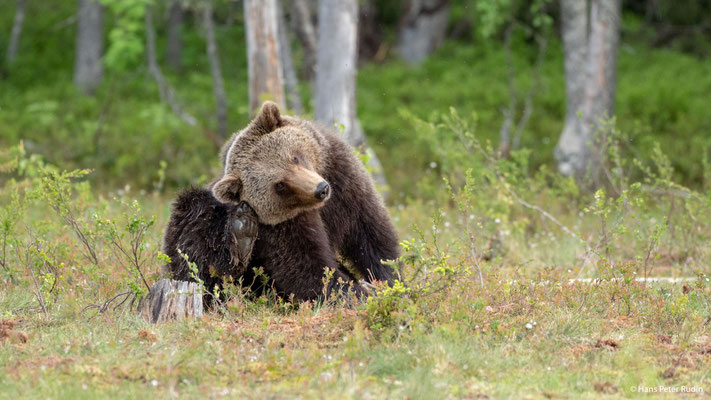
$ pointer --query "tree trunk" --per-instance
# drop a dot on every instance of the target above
(88, 69)
(334, 101)
(304, 28)
(590, 42)
(175, 41)
(293, 97)
(215, 70)
(423, 29)
(165, 91)
(263, 58)
(20, 7)
(171, 300)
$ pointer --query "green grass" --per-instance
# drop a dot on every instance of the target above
(470, 342)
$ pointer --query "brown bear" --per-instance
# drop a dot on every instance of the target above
(314, 202)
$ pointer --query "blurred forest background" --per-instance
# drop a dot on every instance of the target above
(145, 91)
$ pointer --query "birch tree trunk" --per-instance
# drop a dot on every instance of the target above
(217, 83)
(291, 82)
(88, 69)
(572, 146)
(175, 41)
(334, 101)
(304, 28)
(263, 55)
(590, 45)
(423, 29)
(20, 7)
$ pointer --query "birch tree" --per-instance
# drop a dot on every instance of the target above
(265, 71)
(88, 69)
(590, 31)
(336, 59)
(291, 82)
(175, 42)
(423, 29)
(18, 21)
(215, 70)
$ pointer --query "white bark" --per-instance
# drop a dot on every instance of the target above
(263, 55)
(291, 82)
(215, 70)
(166, 92)
(88, 69)
(334, 101)
(590, 42)
(175, 41)
(20, 7)
(423, 29)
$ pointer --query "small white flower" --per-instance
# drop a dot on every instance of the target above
(154, 382)
(433, 165)
(497, 220)
(529, 326)
(83, 386)
(446, 224)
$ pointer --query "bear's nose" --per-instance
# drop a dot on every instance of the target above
(322, 190)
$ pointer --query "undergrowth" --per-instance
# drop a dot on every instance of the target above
(487, 303)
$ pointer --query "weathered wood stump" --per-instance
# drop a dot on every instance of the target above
(171, 300)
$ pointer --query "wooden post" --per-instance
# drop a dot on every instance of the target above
(171, 300)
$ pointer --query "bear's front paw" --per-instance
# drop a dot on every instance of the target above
(244, 225)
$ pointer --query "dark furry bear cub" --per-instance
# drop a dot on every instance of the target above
(314, 202)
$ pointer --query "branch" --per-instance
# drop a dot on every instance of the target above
(164, 89)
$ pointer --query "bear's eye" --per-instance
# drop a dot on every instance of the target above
(296, 160)
(280, 186)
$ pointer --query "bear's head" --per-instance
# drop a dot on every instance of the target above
(274, 165)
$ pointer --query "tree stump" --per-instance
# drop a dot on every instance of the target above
(171, 300)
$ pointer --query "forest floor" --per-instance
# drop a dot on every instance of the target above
(522, 340)
(527, 332)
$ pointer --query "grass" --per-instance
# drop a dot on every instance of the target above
(472, 342)
(527, 332)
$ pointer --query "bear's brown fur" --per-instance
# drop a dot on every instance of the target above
(313, 199)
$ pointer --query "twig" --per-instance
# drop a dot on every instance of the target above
(510, 112)
(473, 252)
(528, 102)
(164, 89)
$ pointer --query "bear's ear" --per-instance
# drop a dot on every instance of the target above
(268, 120)
(228, 189)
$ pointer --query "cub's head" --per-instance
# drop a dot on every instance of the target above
(274, 165)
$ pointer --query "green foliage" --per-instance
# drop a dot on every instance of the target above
(126, 36)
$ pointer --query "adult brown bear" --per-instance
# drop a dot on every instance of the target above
(314, 202)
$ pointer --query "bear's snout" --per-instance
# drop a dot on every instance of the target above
(322, 191)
